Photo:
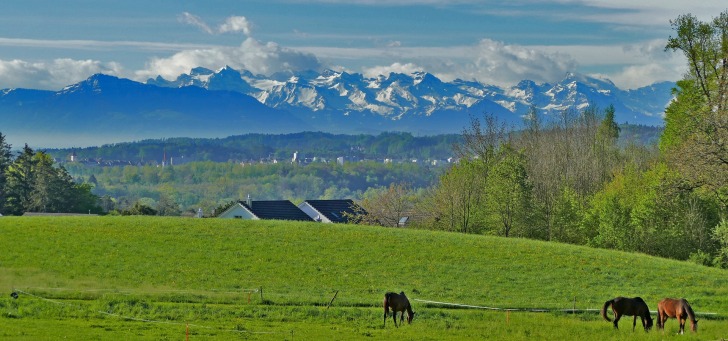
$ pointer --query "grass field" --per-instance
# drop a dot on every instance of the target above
(162, 278)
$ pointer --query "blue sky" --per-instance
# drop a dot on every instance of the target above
(51, 44)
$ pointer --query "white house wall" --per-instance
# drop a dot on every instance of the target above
(239, 212)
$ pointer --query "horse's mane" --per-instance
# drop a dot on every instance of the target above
(689, 310)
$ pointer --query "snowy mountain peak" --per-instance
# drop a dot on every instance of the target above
(397, 95)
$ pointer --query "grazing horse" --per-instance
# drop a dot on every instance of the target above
(631, 307)
(677, 308)
(397, 302)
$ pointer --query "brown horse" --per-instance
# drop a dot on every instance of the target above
(677, 308)
(397, 302)
(631, 307)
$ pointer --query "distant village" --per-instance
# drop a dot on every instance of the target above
(295, 159)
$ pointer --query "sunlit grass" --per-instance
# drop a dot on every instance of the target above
(95, 271)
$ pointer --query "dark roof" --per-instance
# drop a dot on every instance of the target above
(276, 209)
(334, 209)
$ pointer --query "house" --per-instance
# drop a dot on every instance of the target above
(330, 211)
(265, 209)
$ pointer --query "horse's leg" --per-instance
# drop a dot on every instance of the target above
(634, 322)
(660, 319)
(682, 324)
(394, 317)
(616, 320)
(401, 318)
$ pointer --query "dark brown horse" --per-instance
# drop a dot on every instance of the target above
(631, 307)
(677, 308)
(397, 302)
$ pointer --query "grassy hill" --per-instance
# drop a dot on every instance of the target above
(103, 277)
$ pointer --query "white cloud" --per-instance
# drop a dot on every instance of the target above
(236, 24)
(194, 20)
(52, 75)
(488, 61)
(407, 68)
(635, 76)
(252, 55)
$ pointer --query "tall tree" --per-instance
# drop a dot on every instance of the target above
(20, 180)
(696, 124)
(45, 185)
(455, 204)
(6, 159)
(509, 195)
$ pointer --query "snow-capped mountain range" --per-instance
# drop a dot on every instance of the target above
(207, 103)
(398, 96)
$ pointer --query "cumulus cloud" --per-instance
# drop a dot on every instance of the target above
(53, 75)
(252, 55)
(488, 61)
(635, 76)
(508, 64)
(236, 24)
(406, 68)
(194, 20)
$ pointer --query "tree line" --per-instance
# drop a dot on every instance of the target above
(33, 182)
(567, 179)
(256, 147)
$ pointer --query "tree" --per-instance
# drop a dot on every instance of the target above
(695, 140)
(20, 179)
(577, 151)
(387, 206)
(166, 206)
(6, 159)
(455, 204)
(139, 209)
(643, 211)
(720, 233)
(509, 195)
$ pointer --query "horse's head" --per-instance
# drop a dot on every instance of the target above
(648, 325)
(410, 316)
(694, 326)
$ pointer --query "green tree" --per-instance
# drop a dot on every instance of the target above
(509, 195)
(567, 218)
(167, 206)
(695, 140)
(645, 212)
(6, 159)
(44, 184)
(720, 233)
(455, 204)
(139, 209)
(20, 179)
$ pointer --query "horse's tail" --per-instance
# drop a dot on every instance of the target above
(604, 309)
(385, 303)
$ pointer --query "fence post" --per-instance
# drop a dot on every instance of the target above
(332, 300)
(261, 295)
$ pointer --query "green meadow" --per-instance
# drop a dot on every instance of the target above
(110, 278)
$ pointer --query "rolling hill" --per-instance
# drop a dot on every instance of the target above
(297, 268)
